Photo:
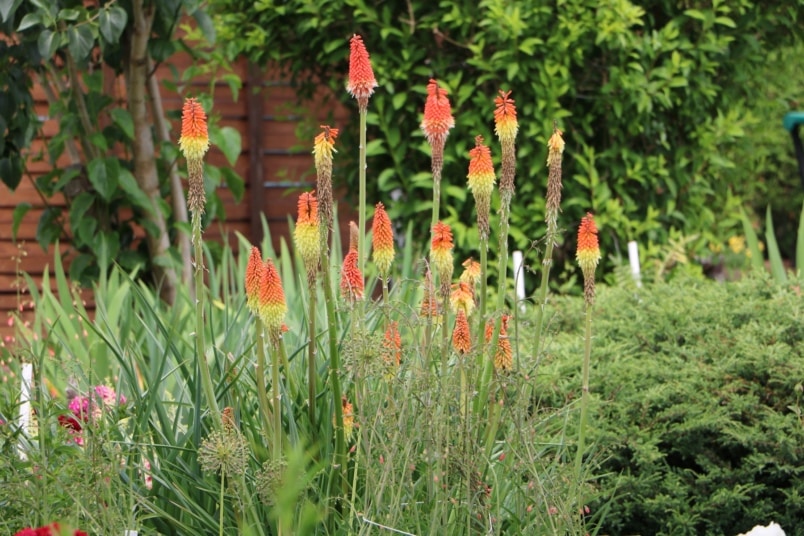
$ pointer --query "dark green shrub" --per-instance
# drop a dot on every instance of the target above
(697, 414)
(661, 106)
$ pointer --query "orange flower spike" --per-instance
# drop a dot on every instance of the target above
(438, 119)
(194, 143)
(392, 345)
(442, 252)
(361, 76)
(194, 140)
(348, 417)
(506, 125)
(461, 337)
(306, 234)
(323, 148)
(588, 255)
(481, 182)
(471, 272)
(351, 278)
(254, 272)
(382, 241)
(463, 298)
(272, 300)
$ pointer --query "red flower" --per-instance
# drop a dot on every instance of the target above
(361, 77)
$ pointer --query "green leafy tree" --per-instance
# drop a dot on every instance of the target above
(660, 104)
(122, 165)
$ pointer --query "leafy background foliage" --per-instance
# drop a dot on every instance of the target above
(697, 390)
(671, 113)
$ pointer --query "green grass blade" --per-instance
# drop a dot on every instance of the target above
(775, 258)
(753, 242)
(800, 244)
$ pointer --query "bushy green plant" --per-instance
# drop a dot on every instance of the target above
(665, 107)
(697, 414)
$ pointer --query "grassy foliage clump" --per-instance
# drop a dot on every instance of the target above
(698, 404)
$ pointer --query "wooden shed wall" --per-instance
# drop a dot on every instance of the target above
(274, 164)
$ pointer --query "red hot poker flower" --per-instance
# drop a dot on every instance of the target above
(438, 119)
(272, 300)
(505, 122)
(382, 241)
(588, 254)
(461, 337)
(361, 76)
(254, 271)
(194, 140)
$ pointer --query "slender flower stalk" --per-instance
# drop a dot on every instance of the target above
(441, 253)
(194, 143)
(555, 150)
(323, 150)
(361, 86)
(307, 235)
(506, 127)
(481, 182)
(255, 269)
(588, 256)
(436, 125)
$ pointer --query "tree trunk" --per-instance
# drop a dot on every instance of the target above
(144, 157)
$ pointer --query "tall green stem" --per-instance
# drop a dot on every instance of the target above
(339, 465)
(361, 248)
(481, 321)
(312, 373)
(262, 392)
(220, 504)
(541, 301)
(200, 347)
(587, 352)
(276, 388)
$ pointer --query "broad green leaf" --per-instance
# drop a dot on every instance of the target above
(69, 14)
(80, 41)
(47, 43)
(234, 182)
(48, 229)
(205, 23)
(7, 9)
(103, 174)
(774, 256)
(122, 119)
(11, 171)
(29, 20)
(19, 213)
(112, 22)
(133, 191)
(228, 141)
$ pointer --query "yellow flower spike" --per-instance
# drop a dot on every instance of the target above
(481, 182)
(555, 150)
(462, 299)
(441, 248)
(307, 234)
(382, 241)
(323, 148)
(471, 272)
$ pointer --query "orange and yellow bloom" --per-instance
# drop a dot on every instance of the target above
(441, 251)
(194, 143)
(588, 255)
(272, 306)
(555, 150)
(506, 127)
(361, 76)
(254, 271)
(382, 241)
(323, 148)
(392, 345)
(481, 182)
(307, 234)
(462, 298)
(461, 337)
